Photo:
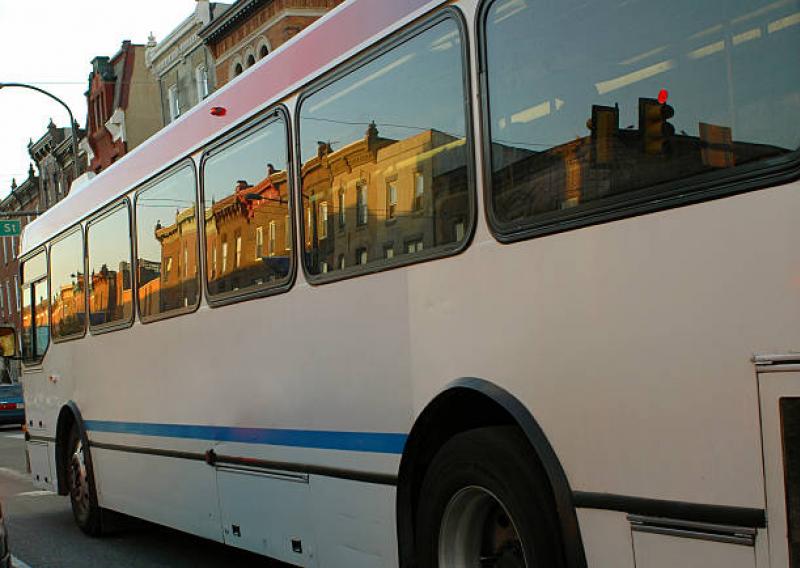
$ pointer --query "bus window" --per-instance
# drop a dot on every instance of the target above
(384, 152)
(245, 190)
(110, 277)
(67, 287)
(586, 121)
(35, 313)
(166, 238)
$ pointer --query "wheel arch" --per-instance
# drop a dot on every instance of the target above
(467, 403)
(68, 416)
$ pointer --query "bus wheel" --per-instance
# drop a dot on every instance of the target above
(81, 487)
(485, 503)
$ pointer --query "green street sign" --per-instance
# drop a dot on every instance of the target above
(9, 228)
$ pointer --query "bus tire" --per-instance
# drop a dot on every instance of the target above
(82, 493)
(484, 497)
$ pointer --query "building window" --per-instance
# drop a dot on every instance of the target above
(362, 210)
(263, 51)
(391, 199)
(272, 238)
(323, 220)
(224, 254)
(388, 251)
(5, 250)
(287, 233)
(259, 242)
(361, 256)
(419, 192)
(342, 262)
(8, 297)
(251, 60)
(174, 102)
(16, 289)
(342, 210)
(201, 78)
(237, 70)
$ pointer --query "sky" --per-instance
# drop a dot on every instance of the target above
(50, 44)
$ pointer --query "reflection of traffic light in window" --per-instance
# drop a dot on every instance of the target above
(654, 126)
(604, 126)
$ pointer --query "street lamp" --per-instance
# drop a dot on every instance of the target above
(71, 119)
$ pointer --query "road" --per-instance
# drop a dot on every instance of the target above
(42, 533)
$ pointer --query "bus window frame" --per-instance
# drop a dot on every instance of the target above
(28, 285)
(142, 188)
(696, 189)
(104, 212)
(78, 227)
(370, 53)
(270, 115)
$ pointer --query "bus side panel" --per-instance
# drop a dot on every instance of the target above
(177, 493)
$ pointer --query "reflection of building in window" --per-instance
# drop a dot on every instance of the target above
(323, 266)
(273, 237)
(287, 233)
(238, 259)
(391, 199)
(259, 242)
(361, 255)
(224, 254)
(458, 230)
(419, 191)
(418, 183)
(414, 245)
(342, 209)
(323, 220)
(362, 213)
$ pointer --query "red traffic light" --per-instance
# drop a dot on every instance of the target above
(218, 111)
(663, 95)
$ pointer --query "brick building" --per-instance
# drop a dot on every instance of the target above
(250, 29)
(23, 197)
(182, 63)
(123, 106)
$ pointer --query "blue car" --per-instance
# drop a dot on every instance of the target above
(12, 406)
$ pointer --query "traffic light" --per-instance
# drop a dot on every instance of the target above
(654, 126)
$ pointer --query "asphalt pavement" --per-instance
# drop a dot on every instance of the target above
(42, 533)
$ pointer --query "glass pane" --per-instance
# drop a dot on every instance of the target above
(34, 268)
(246, 189)
(393, 119)
(41, 332)
(27, 324)
(68, 287)
(110, 289)
(591, 106)
(166, 236)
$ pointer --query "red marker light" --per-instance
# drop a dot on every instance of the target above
(663, 95)
(218, 111)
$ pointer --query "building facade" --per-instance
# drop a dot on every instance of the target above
(22, 197)
(123, 106)
(250, 29)
(182, 63)
(54, 159)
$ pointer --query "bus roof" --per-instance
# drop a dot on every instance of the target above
(338, 35)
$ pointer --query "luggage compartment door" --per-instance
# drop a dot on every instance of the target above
(779, 394)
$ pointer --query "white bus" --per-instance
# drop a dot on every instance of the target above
(496, 283)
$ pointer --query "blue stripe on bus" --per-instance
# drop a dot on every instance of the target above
(376, 442)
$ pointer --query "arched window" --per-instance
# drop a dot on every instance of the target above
(263, 51)
(250, 60)
(238, 69)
